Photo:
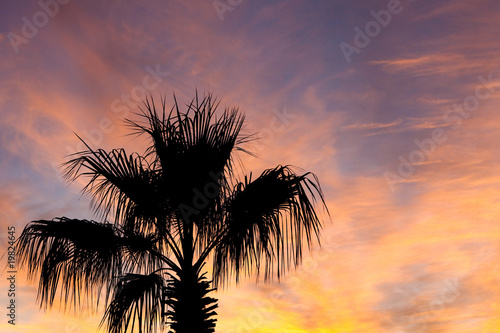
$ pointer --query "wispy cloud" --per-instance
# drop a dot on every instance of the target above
(371, 126)
(425, 65)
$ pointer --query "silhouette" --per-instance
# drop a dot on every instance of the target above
(172, 209)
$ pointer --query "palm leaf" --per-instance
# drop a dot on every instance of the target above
(126, 184)
(81, 257)
(268, 219)
(137, 302)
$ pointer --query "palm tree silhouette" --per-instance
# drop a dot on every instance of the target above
(174, 208)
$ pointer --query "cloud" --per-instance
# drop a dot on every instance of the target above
(426, 65)
(373, 125)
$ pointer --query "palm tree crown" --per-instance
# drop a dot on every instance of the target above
(172, 209)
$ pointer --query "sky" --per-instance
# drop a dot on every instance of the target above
(392, 104)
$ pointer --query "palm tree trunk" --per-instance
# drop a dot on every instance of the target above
(190, 309)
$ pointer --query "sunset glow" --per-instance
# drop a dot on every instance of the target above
(394, 105)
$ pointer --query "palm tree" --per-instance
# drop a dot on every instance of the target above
(172, 209)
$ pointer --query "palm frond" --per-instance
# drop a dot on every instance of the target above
(79, 256)
(82, 257)
(137, 303)
(125, 184)
(142, 252)
(268, 219)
